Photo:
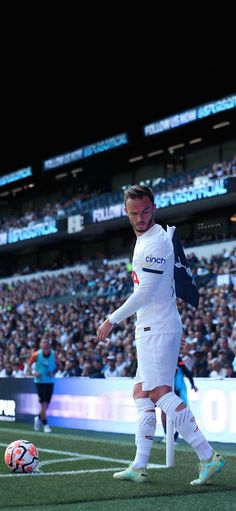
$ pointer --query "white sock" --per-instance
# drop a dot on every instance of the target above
(204, 451)
(145, 430)
(185, 424)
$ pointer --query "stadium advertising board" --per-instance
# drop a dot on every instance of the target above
(108, 213)
(194, 114)
(167, 199)
(107, 405)
(86, 151)
(15, 176)
(3, 238)
(191, 193)
(33, 231)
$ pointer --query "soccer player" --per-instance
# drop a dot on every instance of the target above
(44, 368)
(158, 336)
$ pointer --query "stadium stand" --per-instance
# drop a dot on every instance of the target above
(66, 306)
(82, 283)
(85, 203)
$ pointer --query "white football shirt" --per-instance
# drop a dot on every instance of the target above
(154, 297)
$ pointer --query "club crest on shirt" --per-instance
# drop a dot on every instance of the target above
(135, 277)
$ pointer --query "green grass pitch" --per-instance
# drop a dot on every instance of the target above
(75, 474)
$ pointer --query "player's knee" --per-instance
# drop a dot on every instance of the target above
(169, 403)
(146, 414)
(180, 407)
(158, 392)
(138, 392)
(144, 405)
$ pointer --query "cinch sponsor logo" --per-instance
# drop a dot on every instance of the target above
(159, 260)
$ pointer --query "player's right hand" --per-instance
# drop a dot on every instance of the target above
(104, 329)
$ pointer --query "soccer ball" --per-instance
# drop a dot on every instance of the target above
(21, 456)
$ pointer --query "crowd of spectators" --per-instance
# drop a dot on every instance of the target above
(67, 309)
(86, 201)
(197, 177)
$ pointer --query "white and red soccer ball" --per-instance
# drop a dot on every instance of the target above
(21, 456)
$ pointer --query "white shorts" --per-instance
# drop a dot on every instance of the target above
(157, 359)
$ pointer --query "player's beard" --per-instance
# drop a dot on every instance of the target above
(146, 227)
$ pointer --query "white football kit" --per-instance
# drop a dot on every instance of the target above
(159, 328)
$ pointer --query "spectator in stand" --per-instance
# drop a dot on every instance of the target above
(230, 373)
(70, 368)
(232, 339)
(224, 358)
(200, 368)
(6, 371)
(120, 364)
(17, 372)
(188, 358)
(191, 337)
(87, 370)
(111, 371)
(131, 364)
(97, 367)
(217, 371)
(61, 371)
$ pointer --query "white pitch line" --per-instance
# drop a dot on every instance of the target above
(58, 460)
(69, 472)
(89, 456)
(86, 456)
(74, 456)
(81, 456)
(73, 472)
(62, 460)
